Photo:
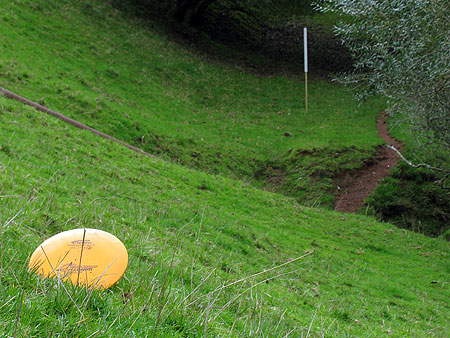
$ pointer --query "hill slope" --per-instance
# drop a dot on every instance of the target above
(190, 233)
(127, 79)
(181, 225)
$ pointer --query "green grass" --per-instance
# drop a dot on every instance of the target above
(116, 74)
(180, 225)
(189, 232)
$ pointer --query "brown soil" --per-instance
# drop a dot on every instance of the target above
(354, 187)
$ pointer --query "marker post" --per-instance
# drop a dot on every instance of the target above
(305, 49)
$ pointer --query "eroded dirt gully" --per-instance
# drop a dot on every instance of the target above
(354, 187)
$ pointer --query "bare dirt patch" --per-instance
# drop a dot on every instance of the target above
(355, 186)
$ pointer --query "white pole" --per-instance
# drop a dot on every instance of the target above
(305, 49)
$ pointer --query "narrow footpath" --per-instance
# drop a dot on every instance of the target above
(356, 186)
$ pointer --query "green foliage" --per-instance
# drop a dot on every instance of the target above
(402, 50)
(446, 235)
(184, 12)
(411, 199)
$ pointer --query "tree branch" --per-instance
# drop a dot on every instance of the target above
(420, 165)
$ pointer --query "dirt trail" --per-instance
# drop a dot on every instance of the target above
(356, 186)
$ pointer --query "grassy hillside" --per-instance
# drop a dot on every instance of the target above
(116, 74)
(181, 226)
(195, 238)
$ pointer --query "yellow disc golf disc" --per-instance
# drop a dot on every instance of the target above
(90, 257)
